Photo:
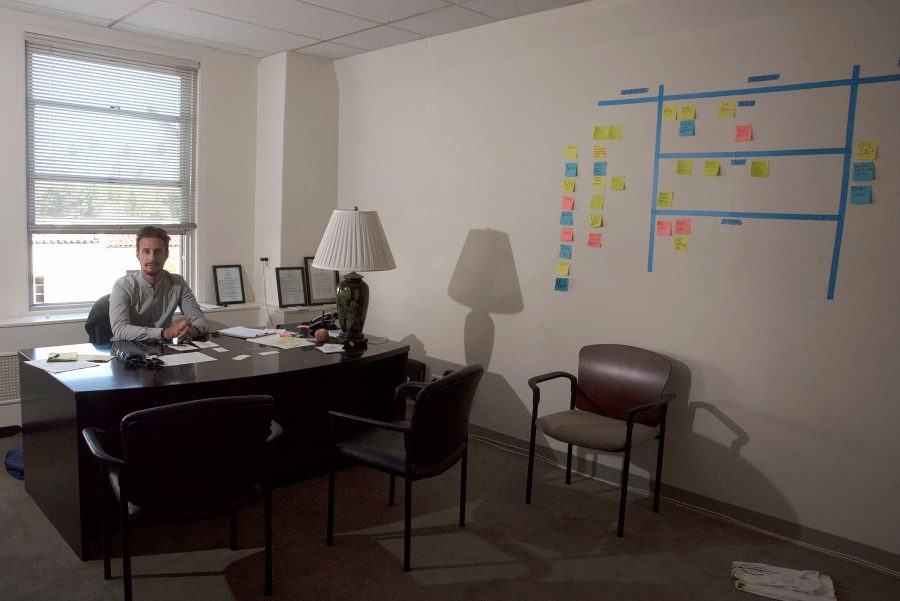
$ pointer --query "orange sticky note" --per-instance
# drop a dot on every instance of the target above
(683, 225)
(743, 133)
(566, 234)
(595, 240)
(568, 203)
(663, 228)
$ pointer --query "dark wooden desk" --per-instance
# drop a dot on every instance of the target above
(64, 480)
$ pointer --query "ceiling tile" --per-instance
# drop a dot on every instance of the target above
(507, 9)
(286, 15)
(379, 37)
(383, 11)
(162, 18)
(105, 10)
(329, 50)
(443, 20)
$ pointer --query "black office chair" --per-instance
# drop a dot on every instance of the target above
(188, 462)
(97, 326)
(434, 440)
(616, 402)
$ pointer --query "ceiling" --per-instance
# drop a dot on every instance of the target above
(326, 28)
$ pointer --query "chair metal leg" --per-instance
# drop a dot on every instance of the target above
(659, 459)
(104, 525)
(232, 528)
(407, 521)
(569, 465)
(392, 490)
(267, 503)
(330, 535)
(625, 465)
(126, 546)
(530, 465)
(462, 487)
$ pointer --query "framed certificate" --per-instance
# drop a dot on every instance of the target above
(229, 284)
(291, 286)
(320, 283)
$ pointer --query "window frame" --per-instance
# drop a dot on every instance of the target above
(34, 42)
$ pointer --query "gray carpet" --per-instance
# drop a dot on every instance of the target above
(562, 547)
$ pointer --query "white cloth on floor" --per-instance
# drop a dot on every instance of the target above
(781, 583)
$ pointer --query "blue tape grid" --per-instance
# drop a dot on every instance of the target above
(847, 151)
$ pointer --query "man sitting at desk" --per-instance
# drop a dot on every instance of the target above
(141, 306)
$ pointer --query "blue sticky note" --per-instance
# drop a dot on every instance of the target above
(864, 172)
(562, 285)
(686, 127)
(599, 168)
(860, 195)
(571, 169)
(565, 251)
(566, 218)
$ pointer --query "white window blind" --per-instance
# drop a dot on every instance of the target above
(110, 139)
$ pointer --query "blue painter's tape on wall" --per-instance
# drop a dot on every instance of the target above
(732, 222)
(634, 91)
(766, 77)
(738, 161)
(746, 103)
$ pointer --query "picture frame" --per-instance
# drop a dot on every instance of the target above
(229, 281)
(321, 284)
(291, 284)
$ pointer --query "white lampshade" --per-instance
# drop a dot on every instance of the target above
(354, 241)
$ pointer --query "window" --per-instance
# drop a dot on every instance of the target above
(110, 149)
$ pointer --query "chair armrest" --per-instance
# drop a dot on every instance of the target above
(397, 426)
(400, 390)
(662, 402)
(275, 431)
(92, 438)
(533, 382)
(536, 391)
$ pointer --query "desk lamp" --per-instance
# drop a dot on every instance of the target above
(353, 241)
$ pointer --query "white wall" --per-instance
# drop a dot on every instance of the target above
(226, 151)
(792, 410)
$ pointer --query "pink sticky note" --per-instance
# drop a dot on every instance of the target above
(743, 133)
(566, 234)
(663, 228)
(595, 240)
(683, 225)
(568, 203)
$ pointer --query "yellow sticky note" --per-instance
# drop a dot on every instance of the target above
(572, 151)
(669, 113)
(599, 151)
(597, 201)
(596, 220)
(615, 132)
(618, 183)
(664, 199)
(562, 268)
(866, 150)
(759, 168)
(711, 167)
(598, 182)
(569, 184)
(601, 132)
(685, 167)
(726, 110)
(687, 111)
(681, 244)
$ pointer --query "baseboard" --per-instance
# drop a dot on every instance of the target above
(876, 559)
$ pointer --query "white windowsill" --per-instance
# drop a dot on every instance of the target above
(38, 318)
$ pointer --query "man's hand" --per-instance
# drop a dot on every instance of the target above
(181, 330)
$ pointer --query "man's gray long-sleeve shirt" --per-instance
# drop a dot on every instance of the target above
(139, 311)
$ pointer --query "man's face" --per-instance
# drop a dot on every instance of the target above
(152, 254)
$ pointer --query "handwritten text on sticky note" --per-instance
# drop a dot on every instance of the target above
(566, 234)
(597, 201)
(686, 127)
(572, 151)
(685, 167)
(687, 111)
(664, 199)
(568, 203)
(569, 185)
(759, 168)
(866, 150)
(596, 220)
(571, 169)
(683, 225)
(711, 167)
(595, 240)
(618, 183)
(726, 110)
(663, 228)
(681, 243)
(743, 133)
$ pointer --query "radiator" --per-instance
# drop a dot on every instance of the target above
(9, 378)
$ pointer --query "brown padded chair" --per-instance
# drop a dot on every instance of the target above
(187, 462)
(617, 402)
(434, 440)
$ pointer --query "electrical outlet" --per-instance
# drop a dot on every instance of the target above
(264, 259)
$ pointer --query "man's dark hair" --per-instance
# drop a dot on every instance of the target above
(150, 231)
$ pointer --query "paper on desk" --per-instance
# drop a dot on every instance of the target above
(58, 367)
(283, 342)
(181, 347)
(331, 348)
(185, 359)
(203, 344)
(242, 332)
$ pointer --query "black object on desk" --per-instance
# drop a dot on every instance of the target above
(305, 383)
